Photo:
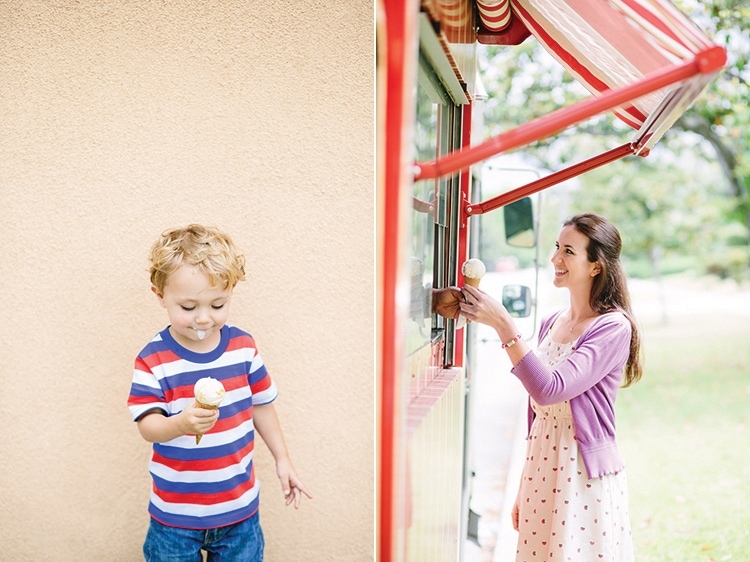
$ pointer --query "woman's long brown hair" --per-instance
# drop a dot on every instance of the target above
(610, 289)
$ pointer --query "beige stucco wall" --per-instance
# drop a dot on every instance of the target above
(118, 120)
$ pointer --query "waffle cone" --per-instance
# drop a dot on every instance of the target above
(206, 406)
(473, 281)
(199, 436)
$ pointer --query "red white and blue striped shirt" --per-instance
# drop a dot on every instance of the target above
(211, 484)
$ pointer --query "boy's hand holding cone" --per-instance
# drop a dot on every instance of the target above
(208, 395)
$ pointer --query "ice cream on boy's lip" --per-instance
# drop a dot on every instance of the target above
(209, 393)
(200, 333)
(473, 270)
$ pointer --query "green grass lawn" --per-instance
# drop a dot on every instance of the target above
(684, 431)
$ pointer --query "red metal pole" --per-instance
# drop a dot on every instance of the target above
(705, 62)
(550, 180)
(459, 349)
(397, 41)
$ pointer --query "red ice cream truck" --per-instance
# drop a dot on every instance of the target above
(641, 59)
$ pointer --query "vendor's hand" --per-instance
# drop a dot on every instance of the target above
(480, 307)
(446, 302)
(291, 485)
(197, 420)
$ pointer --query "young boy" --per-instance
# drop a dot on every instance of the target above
(204, 495)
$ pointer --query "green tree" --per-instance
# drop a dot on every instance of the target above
(524, 82)
(669, 203)
(721, 115)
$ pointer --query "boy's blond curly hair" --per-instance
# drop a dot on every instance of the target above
(207, 248)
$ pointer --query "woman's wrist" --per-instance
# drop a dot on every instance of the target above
(506, 329)
(511, 342)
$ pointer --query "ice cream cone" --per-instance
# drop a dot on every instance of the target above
(473, 281)
(473, 270)
(199, 436)
(208, 395)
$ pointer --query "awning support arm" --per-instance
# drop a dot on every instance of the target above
(705, 62)
(552, 179)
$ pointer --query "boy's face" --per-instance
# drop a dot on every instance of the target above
(197, 309)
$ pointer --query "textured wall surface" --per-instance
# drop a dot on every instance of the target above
(117, 121)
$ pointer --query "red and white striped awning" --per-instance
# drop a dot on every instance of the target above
(494, 14)
(607, 44)
(642, 59)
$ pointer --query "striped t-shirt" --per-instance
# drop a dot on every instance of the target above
(211, 484)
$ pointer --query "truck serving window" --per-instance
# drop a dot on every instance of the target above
(434, 207)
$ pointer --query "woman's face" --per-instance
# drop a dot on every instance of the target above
(572, 266)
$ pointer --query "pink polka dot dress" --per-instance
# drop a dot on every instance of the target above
(564, 516)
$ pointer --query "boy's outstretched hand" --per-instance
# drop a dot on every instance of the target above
(291, 485)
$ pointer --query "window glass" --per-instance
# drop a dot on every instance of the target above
(434, 210)
(425, 199)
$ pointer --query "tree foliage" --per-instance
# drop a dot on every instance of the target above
(697, 177)
(721, 115)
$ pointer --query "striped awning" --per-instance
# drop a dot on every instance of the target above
(607, 44)
(494, 14)
(642, 59)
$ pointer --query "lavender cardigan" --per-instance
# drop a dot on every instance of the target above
(589, 379)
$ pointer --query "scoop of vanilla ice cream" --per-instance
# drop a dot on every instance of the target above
(209, 391)
(473, 268)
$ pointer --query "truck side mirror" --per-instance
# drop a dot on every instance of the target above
(519, 223)
(517, 300)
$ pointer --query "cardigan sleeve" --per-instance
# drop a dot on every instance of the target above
(602, 350)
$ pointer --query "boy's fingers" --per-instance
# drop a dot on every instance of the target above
(301, 487)
(292, 497)
(304, 491)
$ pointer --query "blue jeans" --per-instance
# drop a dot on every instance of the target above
(241, 542)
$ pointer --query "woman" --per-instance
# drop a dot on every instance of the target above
(572, 503)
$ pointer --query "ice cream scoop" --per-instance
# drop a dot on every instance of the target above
(209, 393)
(473, 270)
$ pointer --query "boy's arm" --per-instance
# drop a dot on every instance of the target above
(267, 424)
(156, 427)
